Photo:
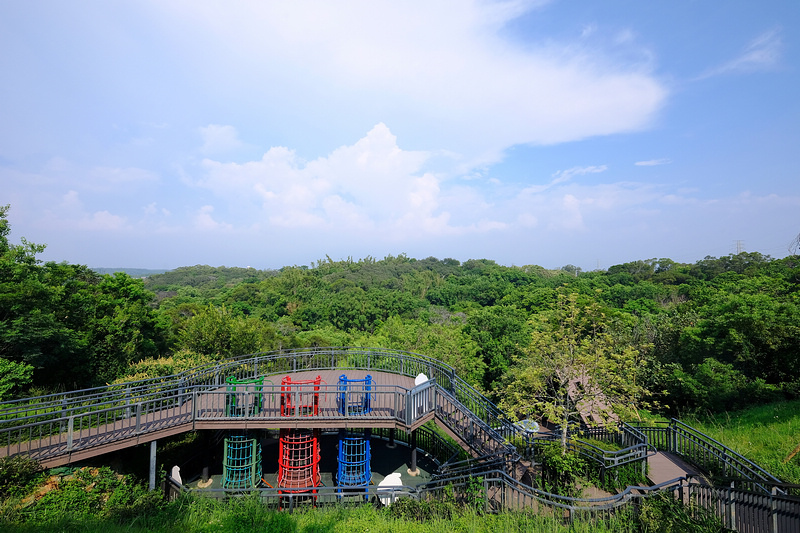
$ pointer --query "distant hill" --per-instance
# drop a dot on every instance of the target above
(206, 277)
(132, 272)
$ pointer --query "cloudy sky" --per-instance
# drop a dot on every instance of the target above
(160, 134)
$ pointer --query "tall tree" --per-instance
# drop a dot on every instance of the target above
(571, 370)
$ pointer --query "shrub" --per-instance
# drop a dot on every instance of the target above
(18, 474)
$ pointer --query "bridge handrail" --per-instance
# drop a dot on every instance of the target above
(571, 503)
(492, 420)
(464, 485)
(698, 448)
(53, 407)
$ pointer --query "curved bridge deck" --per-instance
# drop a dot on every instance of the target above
(80, 436)
(66, 427)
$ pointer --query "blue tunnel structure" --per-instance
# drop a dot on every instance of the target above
(355, 395)
(354, 470)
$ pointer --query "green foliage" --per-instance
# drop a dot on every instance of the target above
(663, 513)
(97, 500)
(765, 434)
(698, 337)
(17, 475)
(217, 332)
(498, 332)
(13, 378)
(86, 495)
(411, 509)
(445, 342)
(163, 366)
(561, 468)
(573, 366)
(713, 386)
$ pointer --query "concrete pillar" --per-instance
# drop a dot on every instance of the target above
(413, 470)
(153, 445)
(205, 443)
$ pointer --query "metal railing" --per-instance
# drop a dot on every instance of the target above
(65, 422)
(741, 509)
(710, 455)
(62, 423)
(493, 490)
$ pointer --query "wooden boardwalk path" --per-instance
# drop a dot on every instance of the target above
(664, 466)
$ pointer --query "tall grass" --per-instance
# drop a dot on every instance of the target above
(196, 514)
(765, 434)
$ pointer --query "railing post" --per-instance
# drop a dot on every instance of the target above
(194, 406)
(181, 391)
(128, 401)
(673, 438)
(63, 413)
(138, 417)
(70, 429)
(773, 509)
(152, 480)
(486, 495)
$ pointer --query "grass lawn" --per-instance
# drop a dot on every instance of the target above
(765, 434)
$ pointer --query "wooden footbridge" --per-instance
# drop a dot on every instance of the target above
(299, 389)
(64, 428)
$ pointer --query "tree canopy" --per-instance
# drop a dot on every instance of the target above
(712, 335)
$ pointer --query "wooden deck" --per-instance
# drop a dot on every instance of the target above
(665, 466)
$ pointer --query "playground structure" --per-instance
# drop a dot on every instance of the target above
(67, 427)
(355, 395)
(300, 397)
(299, 449)
(354, 462)
(241, 463)
(245, 396)
(298, 463)
(242, 460)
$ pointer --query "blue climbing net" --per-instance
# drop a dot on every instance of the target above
(354, 462)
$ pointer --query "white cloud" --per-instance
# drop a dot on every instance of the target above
(71, 214)
(372, 182)
(111, 176)
(563, 176)
(442, 71)
(103, 220)
(653, 162)
(762, 53)
(566, 175)
(204, 221)
(218, 139)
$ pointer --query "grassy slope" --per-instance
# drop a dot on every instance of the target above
(202, 515)
(765, 434)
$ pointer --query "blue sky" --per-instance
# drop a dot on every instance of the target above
(163, 134)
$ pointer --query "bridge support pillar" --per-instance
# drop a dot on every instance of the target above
(206, 444)
(413, 470)
(153, 445)
(391, 444)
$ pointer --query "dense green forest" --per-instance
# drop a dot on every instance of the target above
(671, 337)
